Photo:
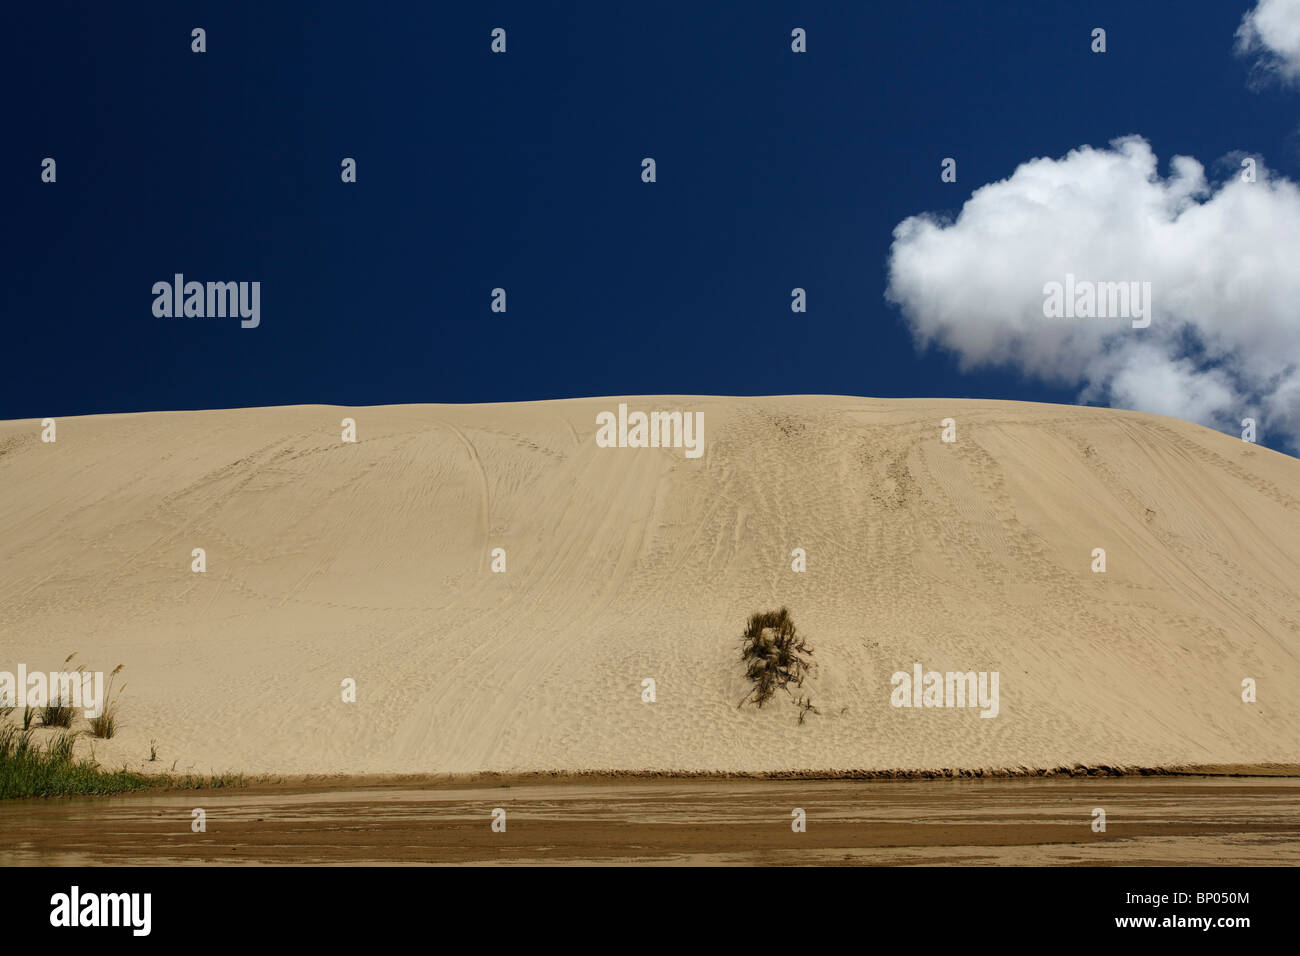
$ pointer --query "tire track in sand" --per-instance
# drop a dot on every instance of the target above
(478, 462)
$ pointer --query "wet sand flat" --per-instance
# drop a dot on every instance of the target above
(1150, 821)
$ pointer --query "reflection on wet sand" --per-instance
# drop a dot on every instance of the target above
(1195, 820)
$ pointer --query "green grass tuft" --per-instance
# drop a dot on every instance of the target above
(28, 770)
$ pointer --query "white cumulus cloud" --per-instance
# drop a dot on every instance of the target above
(1271, 33)
(1223, 261)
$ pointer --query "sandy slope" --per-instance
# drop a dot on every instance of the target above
(329, 560)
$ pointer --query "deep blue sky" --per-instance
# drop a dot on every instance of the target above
(522, 171)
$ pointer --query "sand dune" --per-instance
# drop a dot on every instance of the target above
(328, 560)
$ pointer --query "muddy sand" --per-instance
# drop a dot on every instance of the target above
(1149, 820)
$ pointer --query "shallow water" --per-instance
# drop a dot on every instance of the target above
(1164, 820)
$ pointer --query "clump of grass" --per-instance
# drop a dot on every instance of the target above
(14, 743)
(774, 655)
(29, 714)
(153, 751)
(28, 770)
(219, 781)
(56, 713)
(104, 725)
(60, 748)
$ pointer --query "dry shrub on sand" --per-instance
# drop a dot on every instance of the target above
(774, 655)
